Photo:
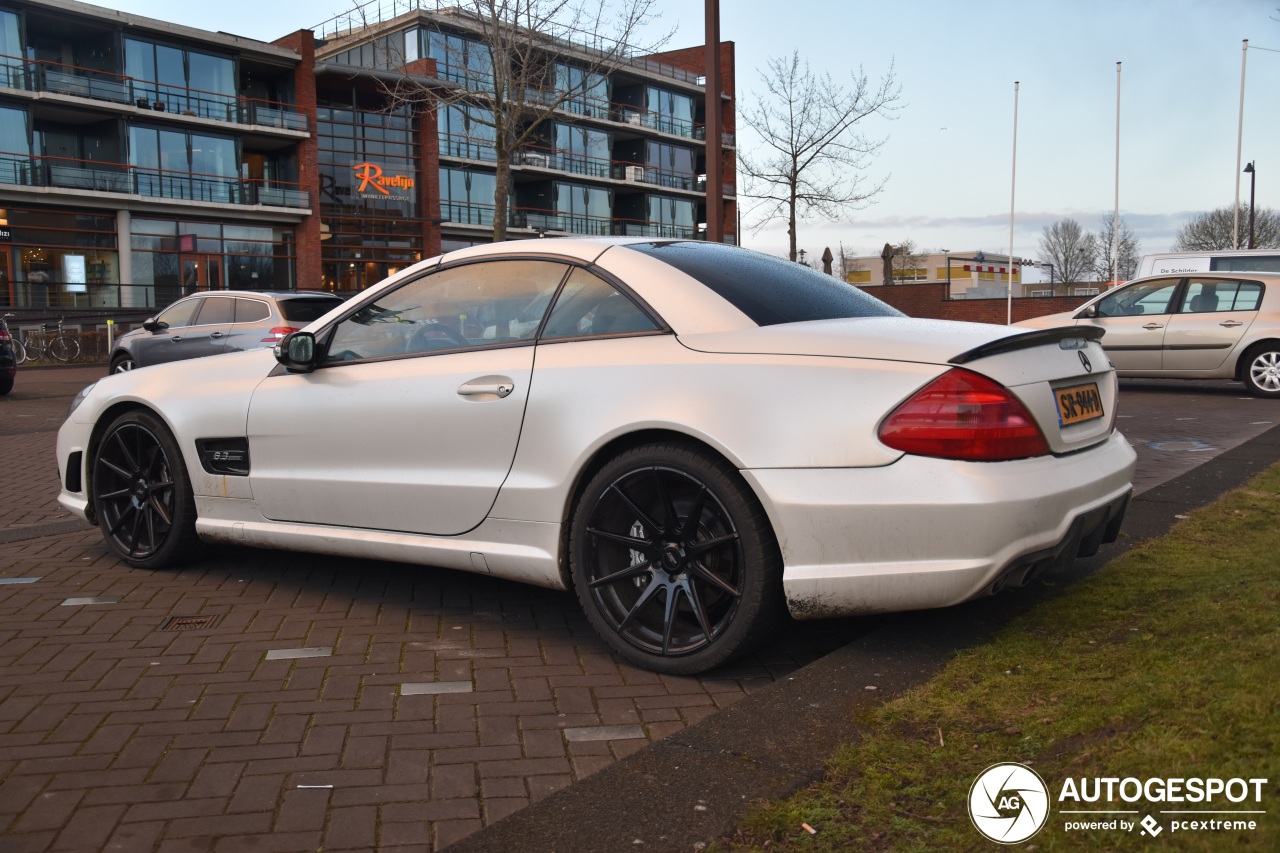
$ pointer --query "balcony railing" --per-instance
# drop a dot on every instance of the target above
(550, 158)
(67, 173)
(467, 147)
(641, 228)
(62, 79)
(659, 122)
(654, 176)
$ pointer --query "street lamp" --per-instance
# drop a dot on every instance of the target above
(801, 253)
(946, 256)
(1253, 176)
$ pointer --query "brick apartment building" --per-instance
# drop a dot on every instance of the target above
(140, 160)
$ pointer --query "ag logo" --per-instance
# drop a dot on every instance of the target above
(1008, 803)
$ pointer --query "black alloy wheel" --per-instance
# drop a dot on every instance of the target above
(142, 494)
(673, 559)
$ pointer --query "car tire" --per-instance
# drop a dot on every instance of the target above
(6, 384)
(668, 594)
(1261, 371)
(142, 495)
(122, 364)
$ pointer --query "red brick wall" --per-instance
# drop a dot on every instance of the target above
(930, 301)
(308, 231)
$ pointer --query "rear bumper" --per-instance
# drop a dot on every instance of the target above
(925, 533)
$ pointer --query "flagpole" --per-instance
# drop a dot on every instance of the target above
(1013, 186)
(1235, 231)
(1115, 222)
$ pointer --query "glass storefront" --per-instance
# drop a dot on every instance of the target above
(59, 259)
(174, 258)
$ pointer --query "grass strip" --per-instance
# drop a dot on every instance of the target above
(1163, 664)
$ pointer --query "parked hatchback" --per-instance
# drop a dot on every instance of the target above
(216, 322)
(1200, 326)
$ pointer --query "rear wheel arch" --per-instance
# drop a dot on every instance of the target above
(1242, 364)
(613, 448)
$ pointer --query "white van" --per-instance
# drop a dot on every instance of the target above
(1243, 260)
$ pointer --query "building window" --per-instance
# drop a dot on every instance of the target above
(174, 258)
(11, 75)
(670, 112)
(59, 259)
(183, 81)
(466, 132)
(15, 147)
(368, 161)
(177, 164)
(466, 196)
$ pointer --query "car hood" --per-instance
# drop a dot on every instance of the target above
(883, 338)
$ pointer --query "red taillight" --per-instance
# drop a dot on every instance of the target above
(962, 415)
(4, 335)
(277, 334)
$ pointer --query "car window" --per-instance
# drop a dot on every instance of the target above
(1149, 297)
(589, 305)
(216, 311)
(1208, 295)
(768, 290)
(251, 311)
(308, 309)
(474, 305)
(179, 314)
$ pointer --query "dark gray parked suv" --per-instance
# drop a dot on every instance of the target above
(218, 321)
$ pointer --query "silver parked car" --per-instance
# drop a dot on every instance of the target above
(214, 322)
(689, 435)
(1198, 326)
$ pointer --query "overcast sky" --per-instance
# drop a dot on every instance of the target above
(948, 158)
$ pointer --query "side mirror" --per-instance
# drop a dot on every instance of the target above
(152, 325)
(1091, 311)
(297, 352)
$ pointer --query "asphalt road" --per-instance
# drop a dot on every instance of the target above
(446, 702)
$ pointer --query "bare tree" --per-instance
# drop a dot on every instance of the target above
(906, 260)
(518, 62)
(813, 151)
(1215, 230)
(1070, 248)
(1130, 250)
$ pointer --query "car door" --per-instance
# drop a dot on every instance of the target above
(157, 345)
(207, 334)
(1212, 318)
(1135, 318)
(412, 419)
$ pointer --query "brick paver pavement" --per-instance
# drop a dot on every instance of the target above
(332, 703)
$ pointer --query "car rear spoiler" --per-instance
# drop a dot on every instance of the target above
(1034, 338)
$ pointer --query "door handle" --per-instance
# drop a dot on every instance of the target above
(1154, 326)
(497, 389)
(176, 338)
(215, 334)
(1230, 323)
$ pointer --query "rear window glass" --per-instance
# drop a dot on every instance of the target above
(306, 310)
(768, 290)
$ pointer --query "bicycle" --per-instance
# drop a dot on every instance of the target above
(19, 350)
(62, 347)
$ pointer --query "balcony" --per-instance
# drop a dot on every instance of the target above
(467, 147)
(641, 228)
(652, 175)
(659, 122)
(65, 173)
(550, 158)
(57, 78)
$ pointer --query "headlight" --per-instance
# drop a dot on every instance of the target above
(79, 398)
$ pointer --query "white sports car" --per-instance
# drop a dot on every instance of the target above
(689, 435)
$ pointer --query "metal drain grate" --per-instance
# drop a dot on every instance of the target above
(188, 623)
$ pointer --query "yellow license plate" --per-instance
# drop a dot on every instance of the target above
(1079, 403)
